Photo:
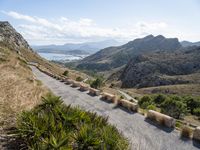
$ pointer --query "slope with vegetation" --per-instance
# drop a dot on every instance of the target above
(53, 125)
(162, 68)
(115, 57)
(47, 125)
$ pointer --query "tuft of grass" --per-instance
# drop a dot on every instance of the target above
(53, 125)
(178, 124)
(79, 79)
(186, 132)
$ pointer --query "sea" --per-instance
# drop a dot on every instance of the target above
(62, 57)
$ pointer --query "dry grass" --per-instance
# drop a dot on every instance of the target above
(19, 90)
(186, 132)
(182, 90)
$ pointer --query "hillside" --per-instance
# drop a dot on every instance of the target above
(114, 57)
(14, 41)
(163, 68)
(20, 90)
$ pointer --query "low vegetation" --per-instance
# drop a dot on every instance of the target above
(65, 73)
(79, 79)
(172, 105)
(53, 125)
(186, 132)
(98, 83)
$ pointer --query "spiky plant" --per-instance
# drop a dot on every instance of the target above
(53, 125)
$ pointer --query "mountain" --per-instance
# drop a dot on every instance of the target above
(80, 48)
(163, 68)
(114, 57)
(10, 38)
(187, 43)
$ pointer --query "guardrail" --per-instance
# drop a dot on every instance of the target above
(161, 118)
(151, 114)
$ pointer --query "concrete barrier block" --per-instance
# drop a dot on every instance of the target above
(196, 133)
(161, 118)
(127, 104)
(93, 91)
(84, 87)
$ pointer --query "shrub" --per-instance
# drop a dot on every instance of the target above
(122, 97)
(197, 112)
(53, 125)
(151, 107)
(65, 73)
(97, 83)
(173, 108)
(192, 104)
(186, 132)
(178, 124)
(160, 99)
(145, 101)
(79, 79)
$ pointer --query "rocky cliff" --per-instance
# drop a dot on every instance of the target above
(162, 68)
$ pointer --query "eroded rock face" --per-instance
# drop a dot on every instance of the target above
(9, 35)
(161, 68)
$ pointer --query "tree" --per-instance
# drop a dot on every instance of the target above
(173, 108)
(145, 101)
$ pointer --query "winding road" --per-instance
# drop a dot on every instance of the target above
(142, 134)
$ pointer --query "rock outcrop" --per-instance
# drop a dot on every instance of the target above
(10, 36)
(162, 68)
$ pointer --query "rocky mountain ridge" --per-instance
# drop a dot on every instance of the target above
(114, 57)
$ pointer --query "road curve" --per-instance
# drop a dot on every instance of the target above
(142, 134)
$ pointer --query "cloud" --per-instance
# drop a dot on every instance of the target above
(39, 30)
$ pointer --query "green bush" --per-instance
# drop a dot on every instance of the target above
(160, 99)
(197, 112)
(65, 73)
(97, 83)
(151, 107)
(79, 79)
(173, 108)
(178, 124)
(145, 101)
(192, 103)
(53, 125)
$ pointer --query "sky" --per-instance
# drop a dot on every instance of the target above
(43, 22)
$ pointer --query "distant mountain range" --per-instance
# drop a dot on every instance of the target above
(80, 48)
(114, 57)
(187, 43)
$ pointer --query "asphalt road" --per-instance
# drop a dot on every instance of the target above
(142, 134)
